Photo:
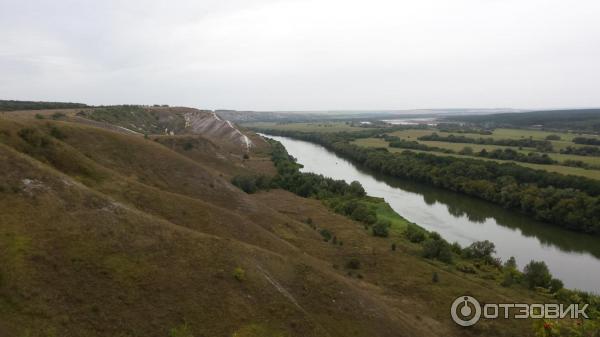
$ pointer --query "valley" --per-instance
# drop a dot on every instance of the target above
(128, 224)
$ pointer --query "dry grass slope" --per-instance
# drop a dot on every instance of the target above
(108, 234)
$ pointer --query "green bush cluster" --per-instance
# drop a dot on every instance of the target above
(10, 105)
(435, 247)
(381, 228)
(239, 274)
(415, 234)
(252, 183)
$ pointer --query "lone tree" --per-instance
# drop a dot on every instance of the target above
(536, 274)
(480, 250)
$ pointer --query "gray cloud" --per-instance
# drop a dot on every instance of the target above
(298, 55)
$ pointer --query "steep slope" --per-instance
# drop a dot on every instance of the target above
(108, 234)
(170, 121)
(212, 126)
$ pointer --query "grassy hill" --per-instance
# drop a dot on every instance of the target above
(112, 234)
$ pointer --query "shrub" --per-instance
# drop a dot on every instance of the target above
(467, 151)
(56, 133)
(33, 138)
(39, 116)
(353, 263)
(456, 248)
(326, 234)
(435, 236)
(363, 214)
(251, 183)
(188, 146)
(381, 228)
(239, 274)
(511, 276)
(553, 137)
(536, 274)
(246, 183)
(415, 234)
(480, 250)
(437, 249)
(356, 189)
(555, 285)
(58, 115)
(511, 263)
(466, 268)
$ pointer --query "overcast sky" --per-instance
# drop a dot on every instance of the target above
(303, 55)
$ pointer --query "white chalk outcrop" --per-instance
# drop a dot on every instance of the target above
(209, 124)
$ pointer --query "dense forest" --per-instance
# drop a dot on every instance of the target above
(6, 105)
(568, 201)
(587, 120)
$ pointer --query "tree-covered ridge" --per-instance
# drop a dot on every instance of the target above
(567, 201)
(575, 119)
(9, 105)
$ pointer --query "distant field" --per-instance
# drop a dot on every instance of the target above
(414, 134)
(305, 127)
(566, 140)
(595, 174)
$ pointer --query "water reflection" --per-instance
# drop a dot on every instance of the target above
(572, 257)
(479, 211)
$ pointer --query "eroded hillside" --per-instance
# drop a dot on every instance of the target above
(107, 233)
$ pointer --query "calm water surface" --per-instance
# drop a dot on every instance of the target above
(574, 258)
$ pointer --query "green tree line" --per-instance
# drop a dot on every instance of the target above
(540, 145)
(571, 202)
(6, 105)
(350, 199)
(587, 141)
(501, 154)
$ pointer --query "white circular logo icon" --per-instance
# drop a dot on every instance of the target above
(465, 311)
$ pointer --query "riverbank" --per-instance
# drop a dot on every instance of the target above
(570, 256)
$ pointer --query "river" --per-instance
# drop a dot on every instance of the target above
(572, 257)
